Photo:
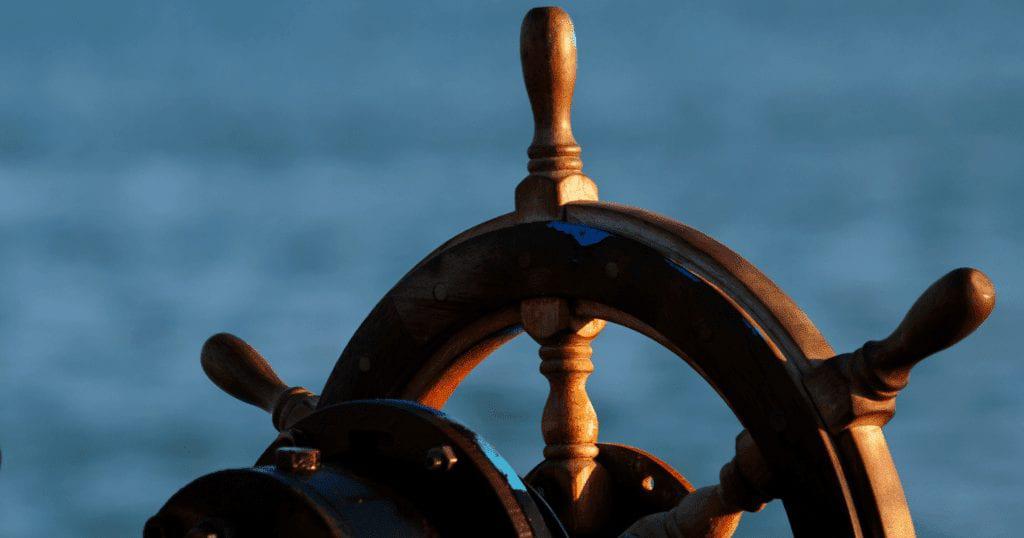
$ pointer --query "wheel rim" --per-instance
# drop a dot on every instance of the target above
(692, 295)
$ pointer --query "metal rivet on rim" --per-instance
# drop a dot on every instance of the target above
(441, 458)
(297, 459)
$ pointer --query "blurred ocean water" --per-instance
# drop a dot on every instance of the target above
(168, 171)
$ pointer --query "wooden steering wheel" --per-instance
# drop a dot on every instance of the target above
(563, 264)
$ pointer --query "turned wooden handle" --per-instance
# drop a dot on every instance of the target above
(715, 511)
(241, 371)
(547, 48)
(949, 310)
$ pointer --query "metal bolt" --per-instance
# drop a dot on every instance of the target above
(441, 458)
(297, 459)
(440, 292)
(647, 483)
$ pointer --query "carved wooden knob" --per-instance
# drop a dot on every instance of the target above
(949, 310)
(239, 370)
(547, 48)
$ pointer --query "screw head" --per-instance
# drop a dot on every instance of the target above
(441, 458)
(440, 292)
(297, 459)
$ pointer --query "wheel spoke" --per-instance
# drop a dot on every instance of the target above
(715, 511)
(573, 482)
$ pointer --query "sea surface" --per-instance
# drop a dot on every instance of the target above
(169, 170)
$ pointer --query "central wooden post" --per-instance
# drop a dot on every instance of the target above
(570, 479)
(575, 485)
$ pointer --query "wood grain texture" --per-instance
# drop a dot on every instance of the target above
(239, 370)
(641, 484)
(574, 483)
(715, 511)
(547, 48)
(560, 265)
(947, 312)
(856, 392)
(770, 308)
(700, 321)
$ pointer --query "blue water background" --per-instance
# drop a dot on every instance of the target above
(173, 169)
